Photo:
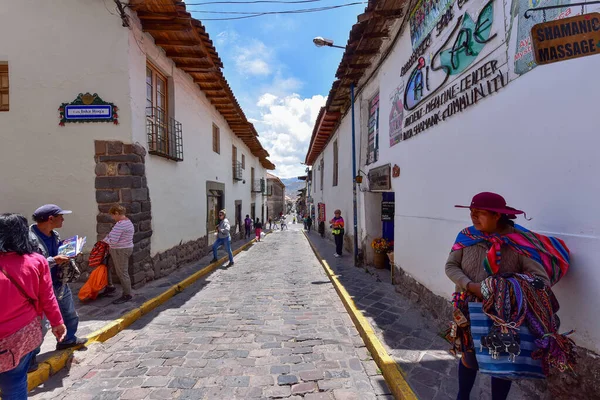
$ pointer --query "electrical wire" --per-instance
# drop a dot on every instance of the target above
(247, 15)
(253, 2)
(306, 10)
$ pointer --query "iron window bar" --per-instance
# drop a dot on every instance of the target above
(237, 171)
(528, 12)
(258, 186)
(164, 133)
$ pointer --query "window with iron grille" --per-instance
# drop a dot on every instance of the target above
(164, 132)
(322, 168)
(216, 139)
(4, 89)
(373, 130)
(335, 163)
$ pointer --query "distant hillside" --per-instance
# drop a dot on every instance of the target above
(292, 185)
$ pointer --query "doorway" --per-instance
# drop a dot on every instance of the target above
(238, 215)
(253, 212)
(215, 199)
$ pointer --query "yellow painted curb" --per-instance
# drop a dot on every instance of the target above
(58, 361)
(391, 371)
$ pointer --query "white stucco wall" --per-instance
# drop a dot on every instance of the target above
(178, 189)
(55, 51)
(535, 142)
(339, 196)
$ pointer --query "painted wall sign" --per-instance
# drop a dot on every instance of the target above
(387, 210)
(396, 118)
(88, 108)
(566, 39)
(379, 178)
(425, 16)
(520, 27)
(373, 130)
(467, 64)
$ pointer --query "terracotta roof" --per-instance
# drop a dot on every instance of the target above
(187, 43)
(275, 178)
(364, 47)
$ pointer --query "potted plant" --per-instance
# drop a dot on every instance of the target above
(380, 246)
(390, 251)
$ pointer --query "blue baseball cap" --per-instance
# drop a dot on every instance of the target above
(49, 210)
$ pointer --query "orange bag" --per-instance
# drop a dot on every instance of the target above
(96, 282)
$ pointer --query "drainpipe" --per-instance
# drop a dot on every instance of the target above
(355, 212)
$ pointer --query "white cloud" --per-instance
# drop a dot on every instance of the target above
(253, 59)
(285, 127)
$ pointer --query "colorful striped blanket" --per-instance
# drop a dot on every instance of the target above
(552, 253)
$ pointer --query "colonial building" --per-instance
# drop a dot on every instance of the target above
(276, 196)
(128, 107)
(453, 100)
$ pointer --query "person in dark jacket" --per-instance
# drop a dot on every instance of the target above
(43, 233)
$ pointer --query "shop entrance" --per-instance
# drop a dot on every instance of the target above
(238, 215)
(215, 199)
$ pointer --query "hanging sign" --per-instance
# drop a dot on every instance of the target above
(88, 108)
(567, 38)
(379, 178)
(387, 210)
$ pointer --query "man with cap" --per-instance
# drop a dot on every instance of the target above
(48, 218)
(223, 238)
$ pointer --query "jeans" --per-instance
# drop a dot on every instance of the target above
(226, 242)
(13, 383)
(339, 243)
(248, 232)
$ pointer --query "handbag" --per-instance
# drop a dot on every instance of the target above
(502, 365)
(23, 341)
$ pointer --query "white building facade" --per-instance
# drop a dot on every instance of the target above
(455, 104)
(176, 149)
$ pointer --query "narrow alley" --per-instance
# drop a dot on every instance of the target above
(271, 326)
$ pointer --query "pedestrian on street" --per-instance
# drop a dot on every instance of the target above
(258, 229)
(120, 240)
(43, 233)
(283, 223)
(270, 223)
(308, 223)
(337, 229)
(248, 226)
(26, 293)
(492, 217)
(223, 238)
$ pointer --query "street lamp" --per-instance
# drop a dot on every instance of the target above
(320, 42)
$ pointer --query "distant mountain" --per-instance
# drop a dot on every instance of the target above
(292, 185)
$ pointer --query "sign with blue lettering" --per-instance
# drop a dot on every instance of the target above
(88, 112)
(88, 108)
(567, 38)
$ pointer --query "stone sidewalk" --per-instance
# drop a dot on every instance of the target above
(408, 333)
(270, 327)
(94, 315)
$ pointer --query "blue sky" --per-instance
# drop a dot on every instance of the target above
(278, 75)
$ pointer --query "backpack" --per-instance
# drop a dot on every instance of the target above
(98, 254)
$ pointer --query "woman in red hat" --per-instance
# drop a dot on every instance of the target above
(475, 256)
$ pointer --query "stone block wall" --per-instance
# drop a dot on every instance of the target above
(121, 179)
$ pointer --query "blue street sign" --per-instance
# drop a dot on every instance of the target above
(80, 112)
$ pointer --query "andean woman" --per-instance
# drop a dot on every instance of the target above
(492, 219)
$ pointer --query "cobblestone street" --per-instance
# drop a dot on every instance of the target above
(271, 326)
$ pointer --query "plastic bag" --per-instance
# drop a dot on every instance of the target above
(96, 282)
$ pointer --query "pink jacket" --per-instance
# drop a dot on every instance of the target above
(32, 273)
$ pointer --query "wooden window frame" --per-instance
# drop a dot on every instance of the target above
(243, 161)
(162, 140)
(216, 139)
(335, 162)
(4, 90)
